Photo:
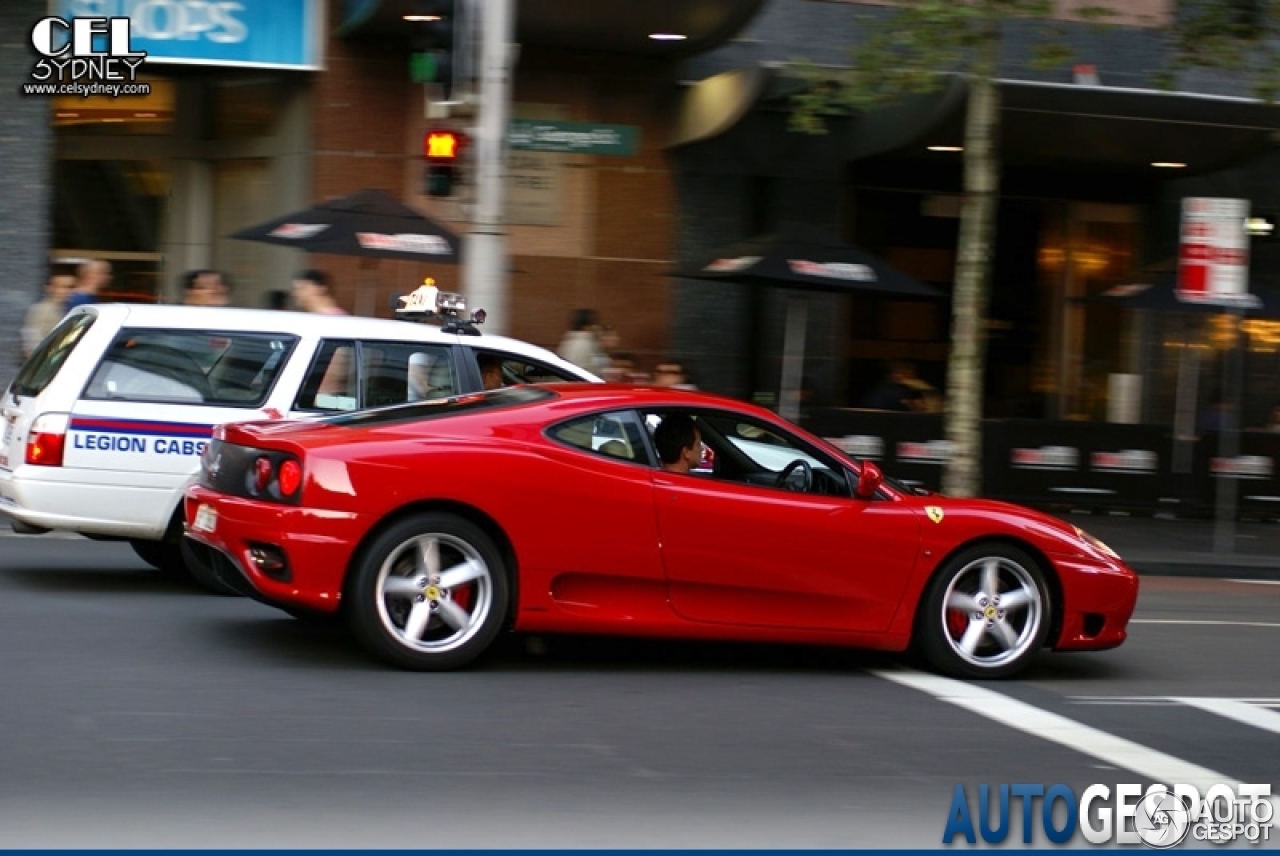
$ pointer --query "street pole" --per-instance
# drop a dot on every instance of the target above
(485, 276)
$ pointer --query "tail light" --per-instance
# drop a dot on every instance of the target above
(47, 439)
(290, 477)
(266, 474)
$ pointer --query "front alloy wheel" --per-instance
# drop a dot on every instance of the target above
(430, 593)
(986, 613)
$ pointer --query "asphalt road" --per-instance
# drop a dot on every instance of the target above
(136, 713)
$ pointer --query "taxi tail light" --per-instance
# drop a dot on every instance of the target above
(47, 439)
(290, 477)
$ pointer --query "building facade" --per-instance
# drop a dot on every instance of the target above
(699, 156)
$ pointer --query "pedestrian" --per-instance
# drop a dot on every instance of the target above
(1273, 424)
(90, 279)
(894, 392)
(671, 373)
(313, 292)
(44, 314)
(622, 369)
(1216, 417)
(205, 288)
(581, 345)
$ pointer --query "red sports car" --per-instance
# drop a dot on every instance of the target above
(640, 511)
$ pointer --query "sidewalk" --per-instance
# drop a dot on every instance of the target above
(1184, 547)
(1159, 546)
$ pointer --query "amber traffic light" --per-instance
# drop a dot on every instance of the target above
(441, 148)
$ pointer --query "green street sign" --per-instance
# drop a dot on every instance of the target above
(580, 138)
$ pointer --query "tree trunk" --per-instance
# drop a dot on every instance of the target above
(963, 473)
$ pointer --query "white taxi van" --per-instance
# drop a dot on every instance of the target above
(104, 425)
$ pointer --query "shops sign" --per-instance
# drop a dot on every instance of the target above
(1213, 259)
(579, 138)
(275, 34)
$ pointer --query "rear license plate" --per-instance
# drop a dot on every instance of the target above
(8, 432)
(206, 519)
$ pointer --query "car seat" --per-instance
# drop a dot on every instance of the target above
(616, 449)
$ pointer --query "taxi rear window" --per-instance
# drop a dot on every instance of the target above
(44, 363)
(213, 368)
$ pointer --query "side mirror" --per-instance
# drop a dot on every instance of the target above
(869, 481)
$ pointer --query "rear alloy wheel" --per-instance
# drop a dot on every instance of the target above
(430, 593)
(986, 613)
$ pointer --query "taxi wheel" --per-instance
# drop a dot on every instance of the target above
(158, 554)
(430, 593)
(986, 613)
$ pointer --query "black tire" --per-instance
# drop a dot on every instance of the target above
(182, 560)
(406, 619)
(197, 569)
(978, 635)
(160, 555)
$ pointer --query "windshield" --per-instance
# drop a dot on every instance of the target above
(47, 360)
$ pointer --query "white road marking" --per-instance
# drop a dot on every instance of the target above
(1155, 702)
(1257, 582)
(1249, 714)
(1151, 764)
(1204, 622)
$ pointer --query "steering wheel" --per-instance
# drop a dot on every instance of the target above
(784, 478)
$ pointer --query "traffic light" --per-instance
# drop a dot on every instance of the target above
(435, 24)
(442, 147)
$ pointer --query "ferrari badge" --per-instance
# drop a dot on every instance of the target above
(935, 512)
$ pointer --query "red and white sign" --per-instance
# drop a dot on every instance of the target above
(1213, 262)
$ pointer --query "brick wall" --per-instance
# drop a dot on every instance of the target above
(26, 151)
(613, 240)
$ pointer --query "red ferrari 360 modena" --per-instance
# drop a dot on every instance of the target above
(433, 526)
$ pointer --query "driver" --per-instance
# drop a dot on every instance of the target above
(679, 443)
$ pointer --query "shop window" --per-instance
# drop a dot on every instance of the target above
(245, 108)
(111, 206)
(96, 116)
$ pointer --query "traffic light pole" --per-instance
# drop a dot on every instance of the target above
(485, 275)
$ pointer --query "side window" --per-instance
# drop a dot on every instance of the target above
(330, 384)
(521, 370)
(189, 367)
(741, 449)
(396, 372)
(613, 435)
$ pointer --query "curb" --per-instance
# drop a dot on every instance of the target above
(1242, 567)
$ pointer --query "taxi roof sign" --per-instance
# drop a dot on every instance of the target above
(428, 302)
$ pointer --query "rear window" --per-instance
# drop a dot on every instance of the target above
(190, 367)
(419, 411)
(44, 363)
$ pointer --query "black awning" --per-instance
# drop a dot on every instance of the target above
(805, 257)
